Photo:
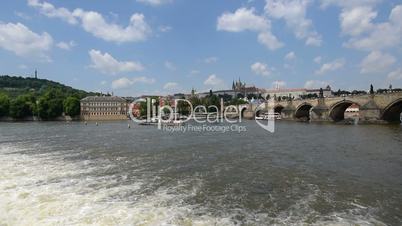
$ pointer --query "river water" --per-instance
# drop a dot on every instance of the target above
(59, 173)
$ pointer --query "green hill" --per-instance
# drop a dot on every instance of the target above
(25, 97)
(16, 86)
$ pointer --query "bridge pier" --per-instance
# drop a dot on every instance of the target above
(288, 112)
(370, 116)
(249, 114)
(369, 112)
(320, 113)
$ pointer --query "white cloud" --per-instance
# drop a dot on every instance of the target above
(269, 40)
(331, 66)
(210, 60)
(382, 35)
(214, 82)
(314, 40)
(260, 69)
(165, 28)
(317, 60)
(170, 86)
(20, 40)
(143, 79)
(106, 64)
(294, 14)
(94, 23)
(395, 75)
(278, 84)
(314, 84)
(121, 83)
(169, 65)
(125, 82)
(244, 19)
(290, 56)
(376, 62)
(49, 10)
(241, 20)
(348, 3)
(356, 21)
(155, 2)
(66, 45)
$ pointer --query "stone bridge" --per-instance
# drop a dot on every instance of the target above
(374, 108)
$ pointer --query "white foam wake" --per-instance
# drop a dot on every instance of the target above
(44, 189)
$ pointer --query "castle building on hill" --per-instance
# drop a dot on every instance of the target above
(239, 90)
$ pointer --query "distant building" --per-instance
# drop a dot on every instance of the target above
(242, 90)
(104, 108)
(327, 92)
(297, 93)
(179, 96)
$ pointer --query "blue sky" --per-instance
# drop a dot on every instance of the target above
(134, 47)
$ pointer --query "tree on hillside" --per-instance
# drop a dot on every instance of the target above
(72, 106)
(213, 101)
(50, 105)
(4, 105)
(251, 96)
(195, 101)
(22, 106)
(14, 86)
(183, 108)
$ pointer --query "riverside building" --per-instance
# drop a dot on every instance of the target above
(104, 108)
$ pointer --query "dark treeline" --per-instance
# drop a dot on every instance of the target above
(25, 97)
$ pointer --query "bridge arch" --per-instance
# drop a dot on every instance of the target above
(337, 110)
(278, 109)
(392, 113)
(303, 111)
(259, 112)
